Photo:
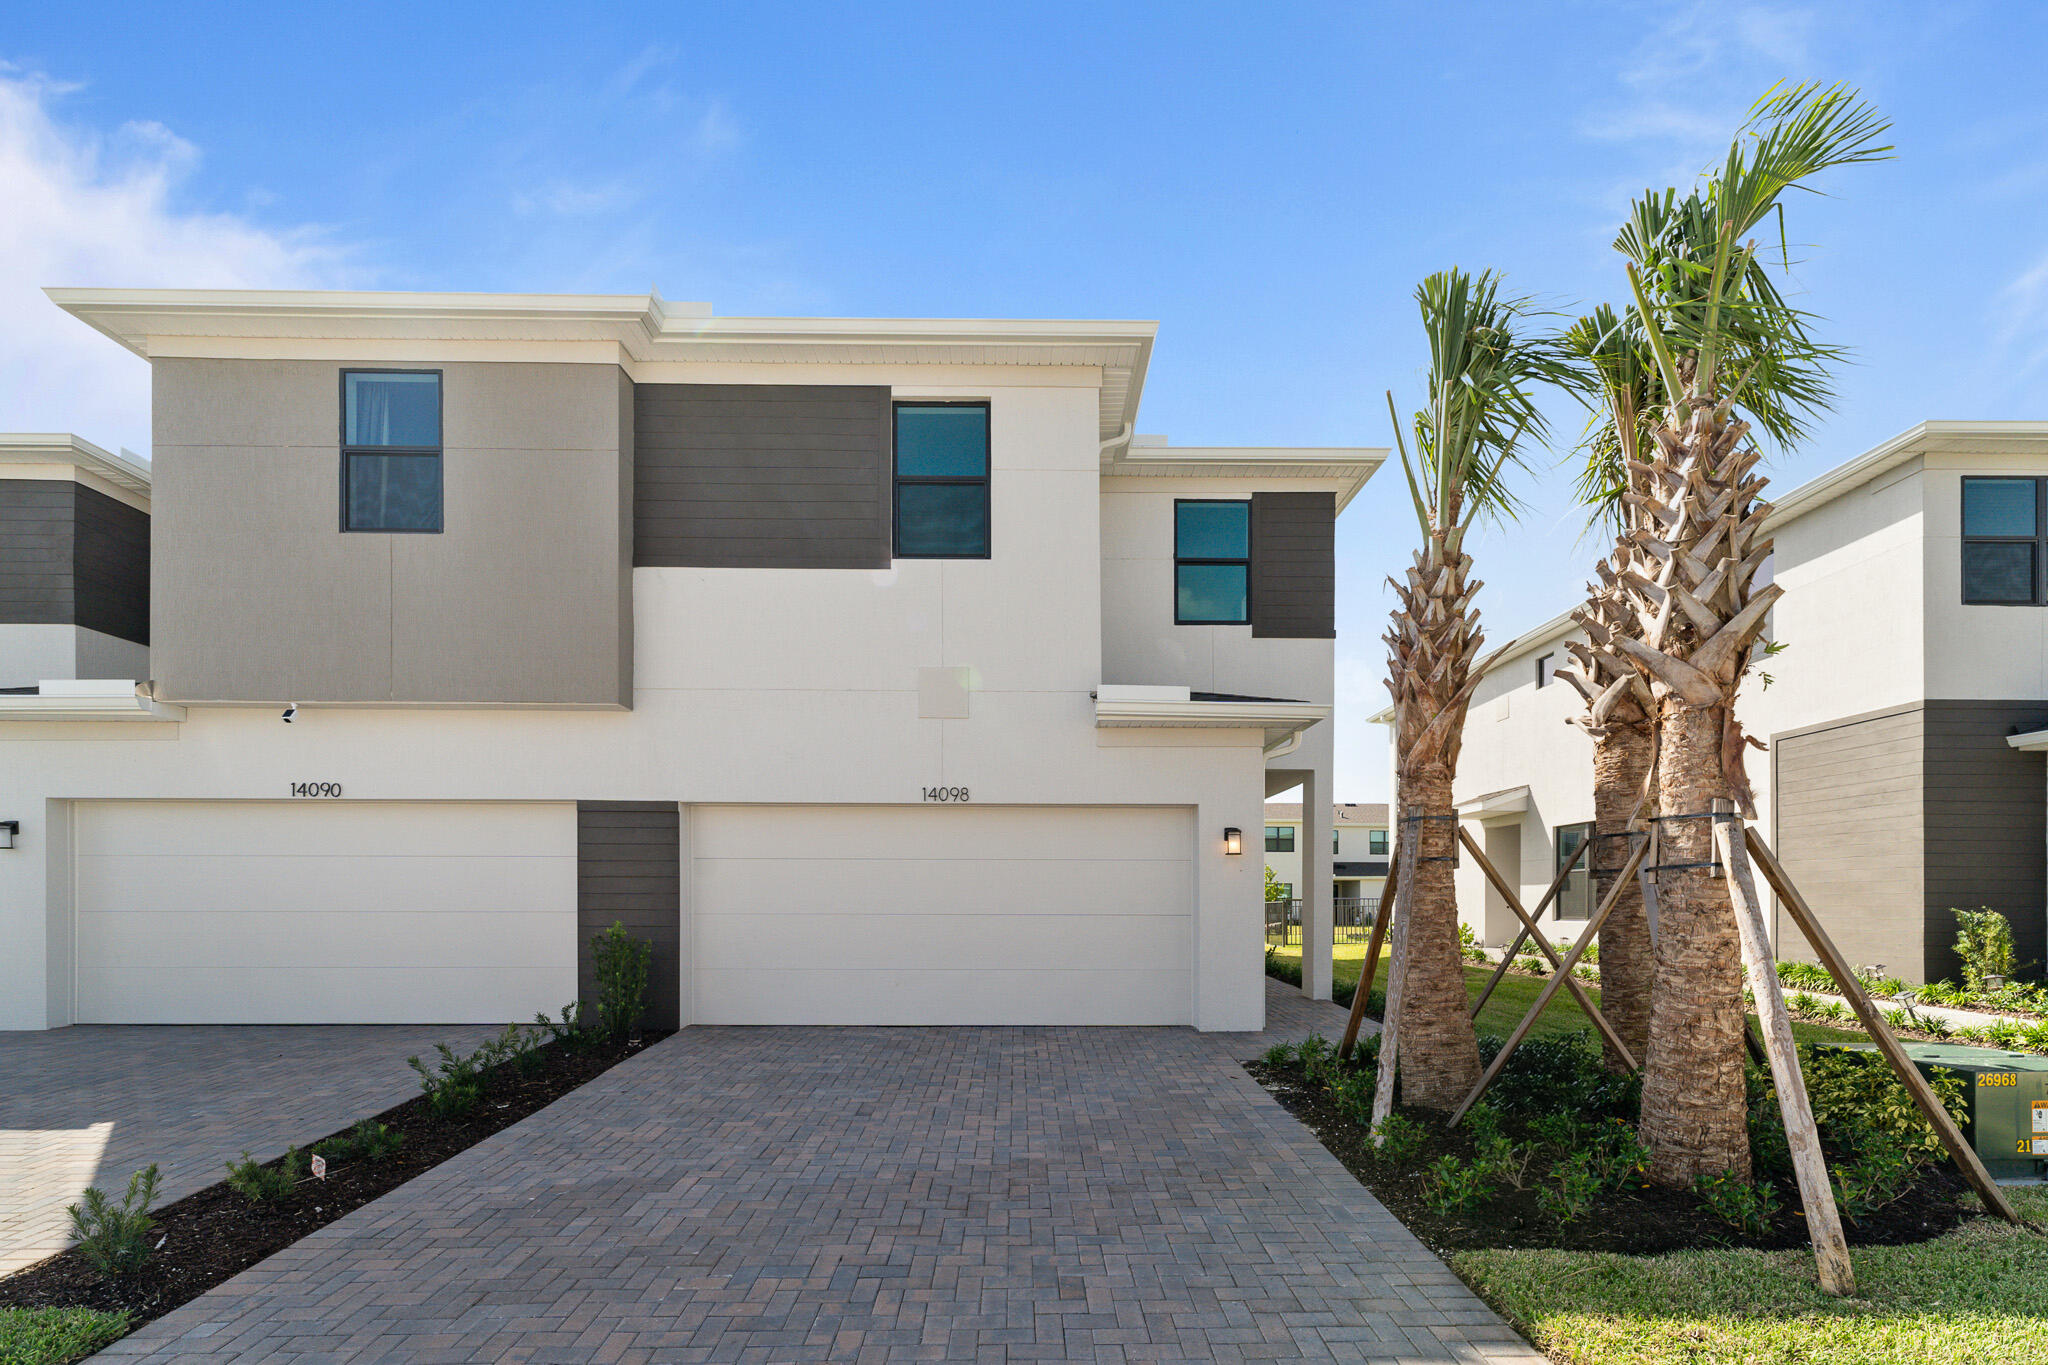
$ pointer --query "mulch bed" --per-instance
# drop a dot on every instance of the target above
(1639, 1221)
(214, 1233)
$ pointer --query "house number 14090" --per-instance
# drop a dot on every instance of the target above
(945, 793)
(316, 789)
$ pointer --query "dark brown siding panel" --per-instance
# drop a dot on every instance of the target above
(37, 583)
(1294, 565)
(629, 871)
(111, 561)
(1848, 814)
(1987, 825)
(790, 476)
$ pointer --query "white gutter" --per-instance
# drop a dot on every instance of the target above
(87, 699)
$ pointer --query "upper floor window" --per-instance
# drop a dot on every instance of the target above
(391, 450)
(1376, 843)
(1546, 669)
(2002, 540)
(942, 481)
(1212, 544)
(1279, 838)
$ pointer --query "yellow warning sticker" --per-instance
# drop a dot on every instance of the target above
(2040, 1116)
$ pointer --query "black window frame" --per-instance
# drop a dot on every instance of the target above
(1245, 563)
(898, 479)
(1579, 885)
(2039, 541)
(1546, 676)
(1376, 843)
(437, 451)
(1275, 832)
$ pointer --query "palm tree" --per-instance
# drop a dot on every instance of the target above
(1484, 370)
(1721, 335)
(1618, 367)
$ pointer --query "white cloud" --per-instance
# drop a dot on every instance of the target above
(1693, 76)
(93, 207)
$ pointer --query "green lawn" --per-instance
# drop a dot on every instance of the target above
(1511, 1000)
(1978, 1296)
(51, 1336)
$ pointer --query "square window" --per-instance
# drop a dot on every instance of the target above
(1998, 571)
(391, 450)
(1376, 843)
(1999, 507)
(942, 481)
(1279, 838)
(1211, 561)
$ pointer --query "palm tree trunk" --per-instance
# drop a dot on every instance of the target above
(1695, 1119)
(1622, 754)
(1439, 1050)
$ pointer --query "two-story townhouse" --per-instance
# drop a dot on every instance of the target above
(871, 669)
(1359, 846)
(1905, 713)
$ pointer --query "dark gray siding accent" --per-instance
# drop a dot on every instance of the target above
(1986, 827)
(1848, 810)
(786, 476)
(629, 871)
(111, 560)
(1294, 565)
(71, 555)
(35, 552)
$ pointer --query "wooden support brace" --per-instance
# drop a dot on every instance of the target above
(1550, 986)
(1522, 935)
(1530, 927)
(1809, 1166)
(1389, 889)
(1397, 978)
(1959, 1149)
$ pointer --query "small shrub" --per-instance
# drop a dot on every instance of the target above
(1577, 1182)
(1560, 1129)
(1452, 1186)
(1352, 1093)
(1560, 1073)
(1835, 1012)
(1802, 1003)
(622, 963)
(1618, 1157)
(1899, 1020)
(114, 1238)
(1400, 1139)
(1316, 1057)
(2034, 1037)
(1936, 1025)
(1501, 1161)
(1972, 1034)
(260, 1184)
(1741, 1205)
(1280, 1054)
(1942, 993)
(1878, 1176)
(369, 1140)
(1468, 944)
(1283, 968)
(1482, 1121)
(455, 1087)
(1859, 1105)
(1984, 943)
(1805, 976)
(2007, 1034)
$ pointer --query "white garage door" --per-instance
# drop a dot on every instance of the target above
(323, 911)
(941, 915)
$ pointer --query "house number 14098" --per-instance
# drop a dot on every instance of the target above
(945, 793)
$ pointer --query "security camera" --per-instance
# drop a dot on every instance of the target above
(291, 709)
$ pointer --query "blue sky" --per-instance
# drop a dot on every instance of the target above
(1268, 182)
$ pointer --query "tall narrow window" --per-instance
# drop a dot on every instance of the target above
(942, 507)
(2002, 541)
(1376, 843)
(1212, 544)
(1546, 669)
(1575, 897)
(391, 450)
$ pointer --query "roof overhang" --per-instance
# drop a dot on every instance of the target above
(1347, 466)
(628, 328)
(1173, 708)
(1495, 805)
(2033, 742)
(23, 454)
(87, 699)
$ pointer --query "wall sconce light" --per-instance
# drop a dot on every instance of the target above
(8, 829)
(1233, 841)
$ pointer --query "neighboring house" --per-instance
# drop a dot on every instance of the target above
(74, 562)
(1906, 715)
(1358, 852)
(871, 669)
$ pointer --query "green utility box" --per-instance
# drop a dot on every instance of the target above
(2007, 1094)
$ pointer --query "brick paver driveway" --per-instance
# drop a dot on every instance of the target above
(90, 1105)
(871, 1195)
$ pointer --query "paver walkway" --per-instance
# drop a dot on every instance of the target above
(881, 1194)
(92, 1104)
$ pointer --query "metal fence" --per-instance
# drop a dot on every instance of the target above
(1353, 916)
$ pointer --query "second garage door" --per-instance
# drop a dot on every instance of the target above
(313, 912)
(941, 915)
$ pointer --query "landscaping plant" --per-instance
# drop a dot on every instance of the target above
(260, 1184)
(457, 1084)
(1984, 944)
(1741, 1204)
(369, 1140)
(114, 1238)
(1485, 371)
(1729, 353)
(622, 963)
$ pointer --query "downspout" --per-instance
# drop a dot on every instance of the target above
(1121, 438)
(1284, 747)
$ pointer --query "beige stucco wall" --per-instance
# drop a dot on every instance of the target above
(521, 599)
